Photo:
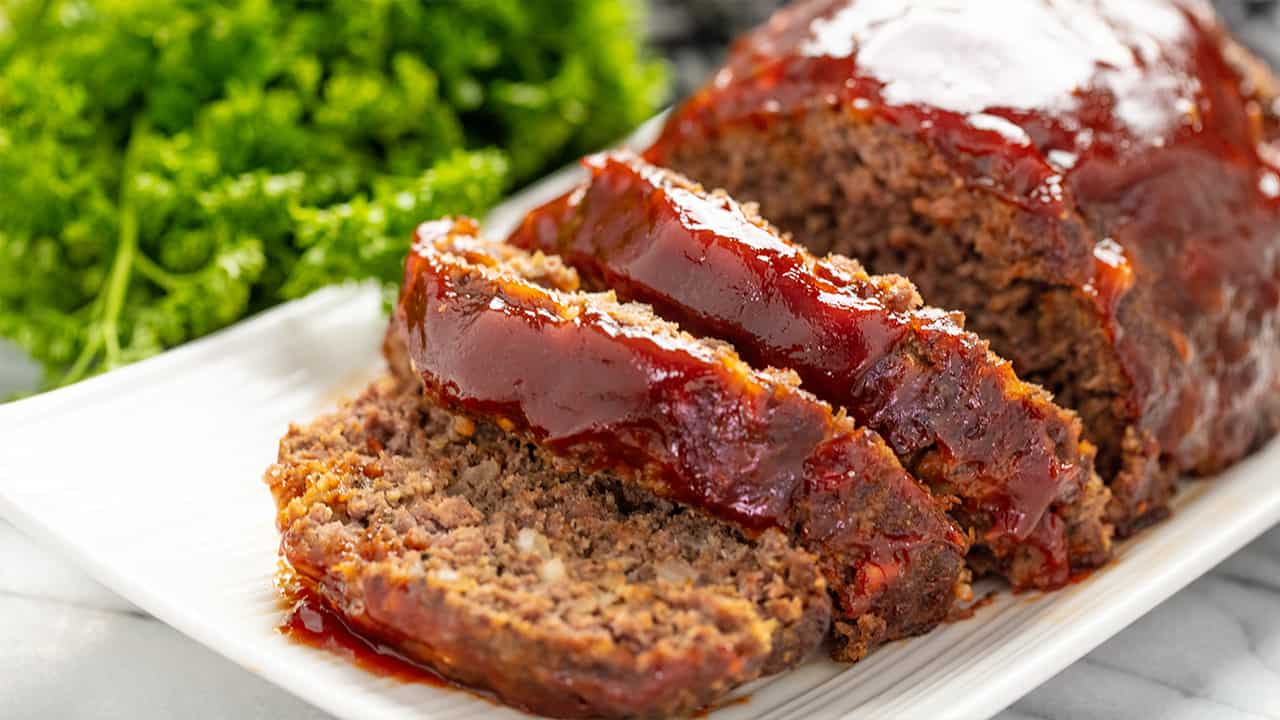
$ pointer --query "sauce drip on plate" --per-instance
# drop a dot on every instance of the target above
(308, 621)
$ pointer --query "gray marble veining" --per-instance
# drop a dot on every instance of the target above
(71, 648)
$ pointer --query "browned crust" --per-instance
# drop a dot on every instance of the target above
(374, 512)
(877, 194)
(624, 229)
(691, 420)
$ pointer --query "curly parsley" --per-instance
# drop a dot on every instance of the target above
(169, 166)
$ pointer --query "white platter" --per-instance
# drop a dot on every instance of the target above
(149, 477)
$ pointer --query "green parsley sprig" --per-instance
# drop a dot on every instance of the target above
(170, 166)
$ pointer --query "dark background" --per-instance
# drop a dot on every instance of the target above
(694, 33)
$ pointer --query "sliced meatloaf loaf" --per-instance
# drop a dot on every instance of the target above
(610, 385)
(956, 415)
(1095, 184)
(565, 593)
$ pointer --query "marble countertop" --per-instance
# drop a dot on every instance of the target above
(70, 648)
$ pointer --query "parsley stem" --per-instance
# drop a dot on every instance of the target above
(110, 298)
(151, 270)
(87, 353)
(126, 248)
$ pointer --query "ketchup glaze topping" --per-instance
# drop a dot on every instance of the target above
(958, 415)
(1131, 129)
(686, 418)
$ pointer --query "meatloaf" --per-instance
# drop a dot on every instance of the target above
(609, 385)
(566, 593)
(955, 414)
(1095, 184)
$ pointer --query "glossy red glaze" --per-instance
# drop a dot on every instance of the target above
(912, 375)
(1029, 93)
(591, 384)
(1124, 126)
(308, 621)
(686, 418)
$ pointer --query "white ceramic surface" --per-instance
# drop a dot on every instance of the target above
(70, 648)
(149, 478)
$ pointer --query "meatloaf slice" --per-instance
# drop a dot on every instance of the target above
(568, 594)
(956, 415)
(1095, 184)
(610, 385)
